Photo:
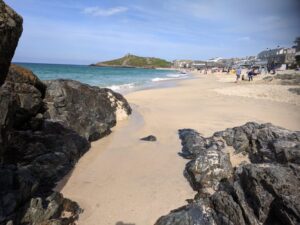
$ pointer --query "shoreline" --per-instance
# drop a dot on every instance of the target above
(165, 82)
(122, 179)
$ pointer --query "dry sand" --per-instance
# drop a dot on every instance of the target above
(122, 180)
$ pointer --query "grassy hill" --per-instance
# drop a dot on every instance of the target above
(136, 61)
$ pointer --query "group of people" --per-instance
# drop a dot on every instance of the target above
(250, 74)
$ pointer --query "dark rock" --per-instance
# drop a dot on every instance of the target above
(264, 142)
(20, 101)
(38, 160)
(21, 97)
(295, 90)
(10, 32)
(197, 212)
(35, 153)
(90, 111)
(265, 191)
(269, 192)
(149, 138)
(208, 169)
(58, 210)
(20, 75)
(193, 143)
(209, 165)
(227, 211)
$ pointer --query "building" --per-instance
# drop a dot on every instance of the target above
(278, 56)
(199, 64)
(182, 63)
(217, 59)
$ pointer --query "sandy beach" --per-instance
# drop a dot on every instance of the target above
(122, 180)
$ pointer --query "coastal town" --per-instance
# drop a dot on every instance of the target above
(273, 59)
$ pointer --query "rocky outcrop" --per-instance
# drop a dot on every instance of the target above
(90, 111)
(263, 191)
(45, 129)
(209, 165)
(35, 153)
(10, 32)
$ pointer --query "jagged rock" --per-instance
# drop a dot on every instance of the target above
(90, 111)
(265, 191)
(10, 32)
(193, 143)
(35, 161)
(227, 211)
(209, 165)
(49, 153)
(21, 75)
(149, 138)
(198, 212)
(264, 142)
(208, 169)
(21, 99)
(58, 211)
(36, 152)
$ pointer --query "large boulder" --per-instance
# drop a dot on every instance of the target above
(10, 32)
(90, 111)
(263, 191)
(209, 165)
(21, 100)
(37, 150)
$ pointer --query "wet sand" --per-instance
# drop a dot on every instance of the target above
(123, 180)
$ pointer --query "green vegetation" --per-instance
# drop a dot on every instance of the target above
(136, 61)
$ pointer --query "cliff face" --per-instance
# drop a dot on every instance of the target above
(44, 129)
(10, 32)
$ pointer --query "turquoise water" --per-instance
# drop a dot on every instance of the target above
(118, 79)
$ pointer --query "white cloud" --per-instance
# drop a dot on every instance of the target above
(97, 11)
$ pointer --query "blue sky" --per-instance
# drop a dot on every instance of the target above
(88, 31)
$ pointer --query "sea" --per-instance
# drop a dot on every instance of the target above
(123, 80)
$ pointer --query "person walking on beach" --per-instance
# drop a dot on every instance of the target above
(251, 74)
(238, 74)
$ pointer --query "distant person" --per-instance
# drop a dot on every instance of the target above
(251, 73)
(238, 74)
(268, 68)
(272, 68)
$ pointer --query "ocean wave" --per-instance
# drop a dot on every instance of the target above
(177, 75)
(121, 86)
(170, 77)
(157, 79)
